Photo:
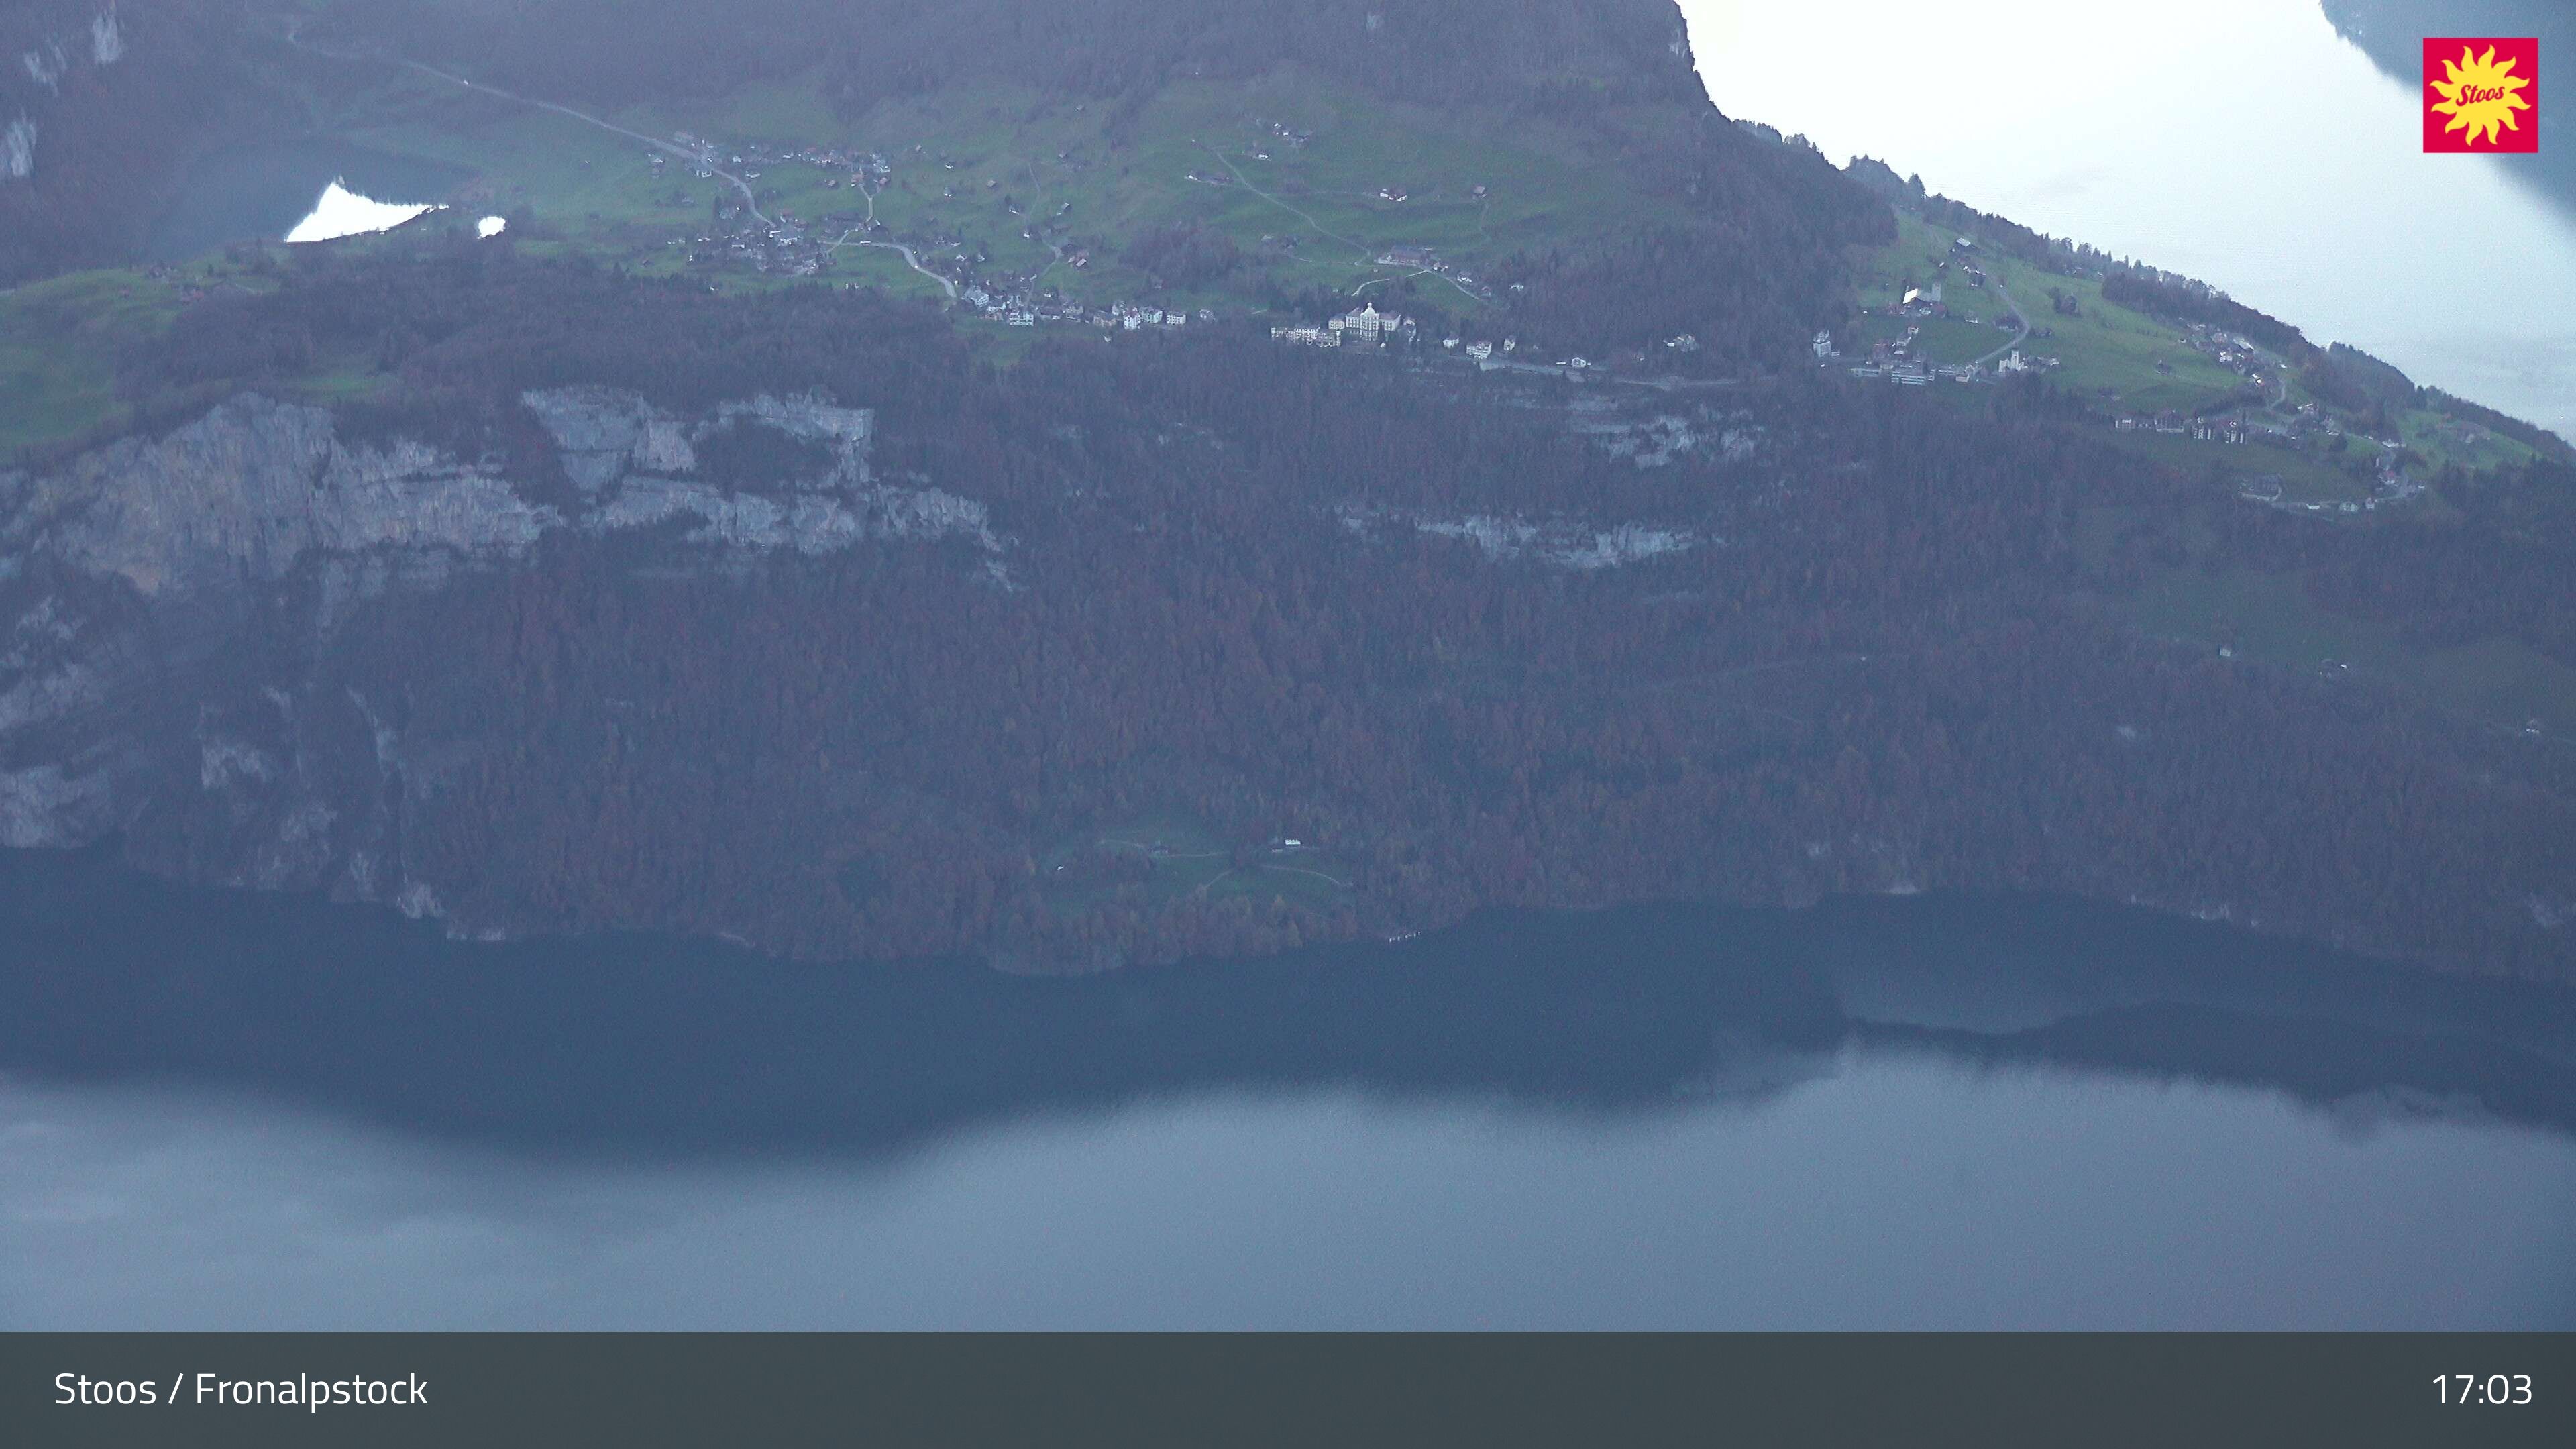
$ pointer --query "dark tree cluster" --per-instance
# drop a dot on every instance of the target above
(2193, 304)
(2498, 563)
(1187, 255)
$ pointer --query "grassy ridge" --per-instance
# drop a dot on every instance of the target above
(59, 341)
(2107, 345)
(961, 153)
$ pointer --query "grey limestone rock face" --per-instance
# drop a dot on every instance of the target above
(166, 605)
(47, 806)
(804, 417)
(254, 486)
(606, 436)
(1559, 543)
(807, 525)
(106, 39)
(603, 435)
(633, 462)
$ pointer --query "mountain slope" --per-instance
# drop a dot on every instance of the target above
(563, 582)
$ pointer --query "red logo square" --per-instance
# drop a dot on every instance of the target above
(2481, 93)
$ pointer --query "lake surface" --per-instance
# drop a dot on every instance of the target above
(2243, 142)
(263, 192)
(239, 1111)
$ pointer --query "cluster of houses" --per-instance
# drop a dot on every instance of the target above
(1365, 327)
(1918, 374)
(2232, 351)
(785, 244)
(1019, 309)
(2299, 432)
(1963, 252)
(854, 167)
(2306, 427)
(789, 246)
(1368, 327)
(1891, 360)
(2172, 423)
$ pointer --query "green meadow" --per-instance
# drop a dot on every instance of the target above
(1181, 857)
(974, 169)
(2269, 619)
(2106, 345)
(59, 342)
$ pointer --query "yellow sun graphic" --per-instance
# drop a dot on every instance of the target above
(2479, 95)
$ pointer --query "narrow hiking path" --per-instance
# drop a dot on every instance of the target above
(1235, 169)
(1367, 253)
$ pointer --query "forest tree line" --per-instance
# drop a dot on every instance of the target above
(1882, 663)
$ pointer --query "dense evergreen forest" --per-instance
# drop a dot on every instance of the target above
(1882, 663)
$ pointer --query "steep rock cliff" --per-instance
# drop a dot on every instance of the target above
(166, 601)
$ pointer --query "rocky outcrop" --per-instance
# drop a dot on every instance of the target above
(18, 150)
(106, 38)
(163, 602)
(1557, 542)
(603, 435)
(633, 461)
(46, 65)
(255, 486)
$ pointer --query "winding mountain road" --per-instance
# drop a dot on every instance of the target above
(909, 259)
(751, 202)
(2018, 318)
(295, 38)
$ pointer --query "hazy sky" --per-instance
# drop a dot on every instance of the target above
(2239, 141)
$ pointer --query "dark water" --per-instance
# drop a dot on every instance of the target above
(234, 1110)
(259, 193)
